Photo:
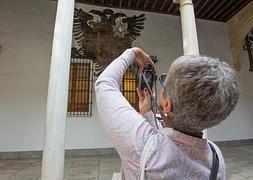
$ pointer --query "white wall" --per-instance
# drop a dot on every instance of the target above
(239, 125)
(26, 36)
(26, 30)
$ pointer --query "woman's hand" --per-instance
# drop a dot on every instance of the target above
(144, 101)
(142, 58)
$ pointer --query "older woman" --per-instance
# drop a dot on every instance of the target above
(198, 93)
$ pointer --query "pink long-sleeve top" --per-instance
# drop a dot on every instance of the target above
(173, 155)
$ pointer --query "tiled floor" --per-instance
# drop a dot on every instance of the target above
(239, 162)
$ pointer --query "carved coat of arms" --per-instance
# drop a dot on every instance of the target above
(104, 35)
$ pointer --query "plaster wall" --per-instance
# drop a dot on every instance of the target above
(26, 33)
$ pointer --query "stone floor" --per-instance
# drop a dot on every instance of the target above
(239, 162)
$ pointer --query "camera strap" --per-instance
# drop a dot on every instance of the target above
(168, 123)
(155, 106)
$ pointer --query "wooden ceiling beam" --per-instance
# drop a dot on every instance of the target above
(176, 10)
(129, 3)
(153, 5)
(120, 4)
(232, 9)
(226, 18)
(138, 4)
(209, 8)
(163, 5)
(223, 10)
(170, 7)
(201, 8)
(217, 8)
(196, 4)
(145, 4)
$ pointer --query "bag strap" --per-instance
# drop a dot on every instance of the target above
(144, 155)
(215, 165)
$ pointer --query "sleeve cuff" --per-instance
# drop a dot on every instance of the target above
(129, 53)
(149, 116)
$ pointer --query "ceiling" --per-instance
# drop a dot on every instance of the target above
(216, 10)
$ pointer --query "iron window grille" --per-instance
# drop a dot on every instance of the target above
(129, 85)
(80, 86)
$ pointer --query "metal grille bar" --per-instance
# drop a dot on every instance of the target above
(80, 87)
(129, 89)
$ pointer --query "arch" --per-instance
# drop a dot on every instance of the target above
(238, 28)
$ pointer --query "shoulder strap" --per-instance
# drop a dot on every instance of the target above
(144, 155)
(215, 165)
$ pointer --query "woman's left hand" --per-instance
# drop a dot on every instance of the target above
(144, 101)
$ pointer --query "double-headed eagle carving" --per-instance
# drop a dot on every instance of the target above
(104, 35)
(248, 46)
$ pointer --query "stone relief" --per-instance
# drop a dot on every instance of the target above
(104, 35)
(248, 46)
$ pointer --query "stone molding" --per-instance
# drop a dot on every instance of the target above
(98, 151)
(238, 27)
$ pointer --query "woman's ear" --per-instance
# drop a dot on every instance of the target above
(165, 102)
(167, 105)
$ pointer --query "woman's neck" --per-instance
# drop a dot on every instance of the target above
(196, 134)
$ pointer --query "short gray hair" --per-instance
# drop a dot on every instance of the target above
(203, 91)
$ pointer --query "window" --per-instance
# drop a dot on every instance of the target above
(129, 89)
(80, 87)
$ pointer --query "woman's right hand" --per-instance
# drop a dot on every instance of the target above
(142, 58)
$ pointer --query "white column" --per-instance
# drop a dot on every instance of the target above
(189, 32)
(53, 153)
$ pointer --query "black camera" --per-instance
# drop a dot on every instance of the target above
(148, 76)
